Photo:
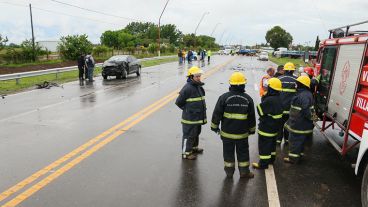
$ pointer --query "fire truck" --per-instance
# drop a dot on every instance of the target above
(342, 96)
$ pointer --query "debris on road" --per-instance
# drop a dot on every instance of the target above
(47, 85)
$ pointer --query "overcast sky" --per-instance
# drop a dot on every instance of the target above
(241, 21)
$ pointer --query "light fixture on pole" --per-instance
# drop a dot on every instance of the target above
(159, 25)
(204, 14)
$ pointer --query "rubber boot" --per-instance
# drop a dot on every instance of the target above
(197, 150)
(229, 171)
(189, 157)
(258, 166)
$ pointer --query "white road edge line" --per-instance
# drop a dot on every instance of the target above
(272, 193)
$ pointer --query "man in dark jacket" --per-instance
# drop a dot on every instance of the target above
(279, 71)
(300, 123)
(81, 67)
(288, 91)
(270, 116)
(192, 101)
(235, 112)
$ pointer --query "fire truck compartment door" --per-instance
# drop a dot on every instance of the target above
(345, 80)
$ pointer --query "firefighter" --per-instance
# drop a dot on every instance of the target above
(288, 91)
(270, 116)
(191, 100)
(263, 84)
(300, 123)
(235, 112)
(314, 82)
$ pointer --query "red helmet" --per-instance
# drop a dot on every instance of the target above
(309, 71)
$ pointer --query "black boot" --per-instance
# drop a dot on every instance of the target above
(229, 171)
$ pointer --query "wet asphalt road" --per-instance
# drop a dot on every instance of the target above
(142, 166)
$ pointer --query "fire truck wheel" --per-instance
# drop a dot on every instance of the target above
(364, 188)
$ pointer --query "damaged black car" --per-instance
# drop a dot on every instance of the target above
(121, 66)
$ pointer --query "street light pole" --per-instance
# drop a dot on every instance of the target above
(159, 25)
(204, 14)
(33, 39)
(214, 29)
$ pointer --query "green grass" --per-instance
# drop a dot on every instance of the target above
(282, 61)
(10, 86)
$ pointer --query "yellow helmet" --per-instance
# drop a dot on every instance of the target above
(305, 80)
(275, 84)
(237, 78)
(289, 66)
(194, 70)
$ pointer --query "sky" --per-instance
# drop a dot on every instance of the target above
(238, 21)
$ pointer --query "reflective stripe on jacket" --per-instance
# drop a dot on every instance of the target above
(270, 114)
(288, 91)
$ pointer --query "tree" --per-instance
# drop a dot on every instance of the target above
(170, 32)
(3, 41)
(316, 46)
(72, 46)
(278, 37)
(190, 40)
(110, 39)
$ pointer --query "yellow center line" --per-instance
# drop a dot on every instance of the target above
(134, 119)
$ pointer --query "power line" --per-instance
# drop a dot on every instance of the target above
(60, 13)
(98, 12)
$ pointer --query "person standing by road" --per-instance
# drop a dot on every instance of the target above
(183, 56)
(280, 71)
(234, 110)
(191, 100)
(264, 81)
(270, 116)
(209, 54)
(180, 56)
(90, 63)
(288, 92)
(300, 122)
(81, 67)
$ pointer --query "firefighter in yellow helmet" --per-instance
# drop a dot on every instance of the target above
(234, 112)
(191, 100)
(270, 122)
(288, 92)
(300, 122)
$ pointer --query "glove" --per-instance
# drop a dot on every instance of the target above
(216, 130)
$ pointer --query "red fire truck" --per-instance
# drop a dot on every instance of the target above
(342, 97)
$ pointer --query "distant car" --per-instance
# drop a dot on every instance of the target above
(121, 66)
(221, 52)
(263, 56)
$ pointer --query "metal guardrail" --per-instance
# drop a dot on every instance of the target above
(18, 76)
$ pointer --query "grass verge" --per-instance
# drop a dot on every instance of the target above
(10, 86)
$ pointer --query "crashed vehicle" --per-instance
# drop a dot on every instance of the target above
(121, 66)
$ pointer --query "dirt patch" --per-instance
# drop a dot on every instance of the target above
(9, 70)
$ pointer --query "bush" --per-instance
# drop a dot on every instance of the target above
(101, 50)
(152, 48)
(71, 47)
(23, 54)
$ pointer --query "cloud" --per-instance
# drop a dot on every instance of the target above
(240, 21)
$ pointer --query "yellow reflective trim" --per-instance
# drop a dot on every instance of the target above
(267, 134)
(234, 136)
(293, 155)
(289, 90)
(285, 112)
(229, 164)
(278, 116)
(298, 131)
(243, 164)
(236, 116)
(214, 125)
(193, 122)
(260, 110)
(253, 129)
(273, 153)
(195, 99)
(265, 157)
(296, 107)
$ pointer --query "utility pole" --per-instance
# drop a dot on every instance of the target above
(204, 14)
(33, 39)
(159, 29)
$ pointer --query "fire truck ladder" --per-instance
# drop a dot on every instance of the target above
(347, 27)
(345, 148)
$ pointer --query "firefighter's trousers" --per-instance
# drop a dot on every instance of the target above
(283, 132)
(296, 146)
(267, 150)
(190, 140)
(241, 147)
